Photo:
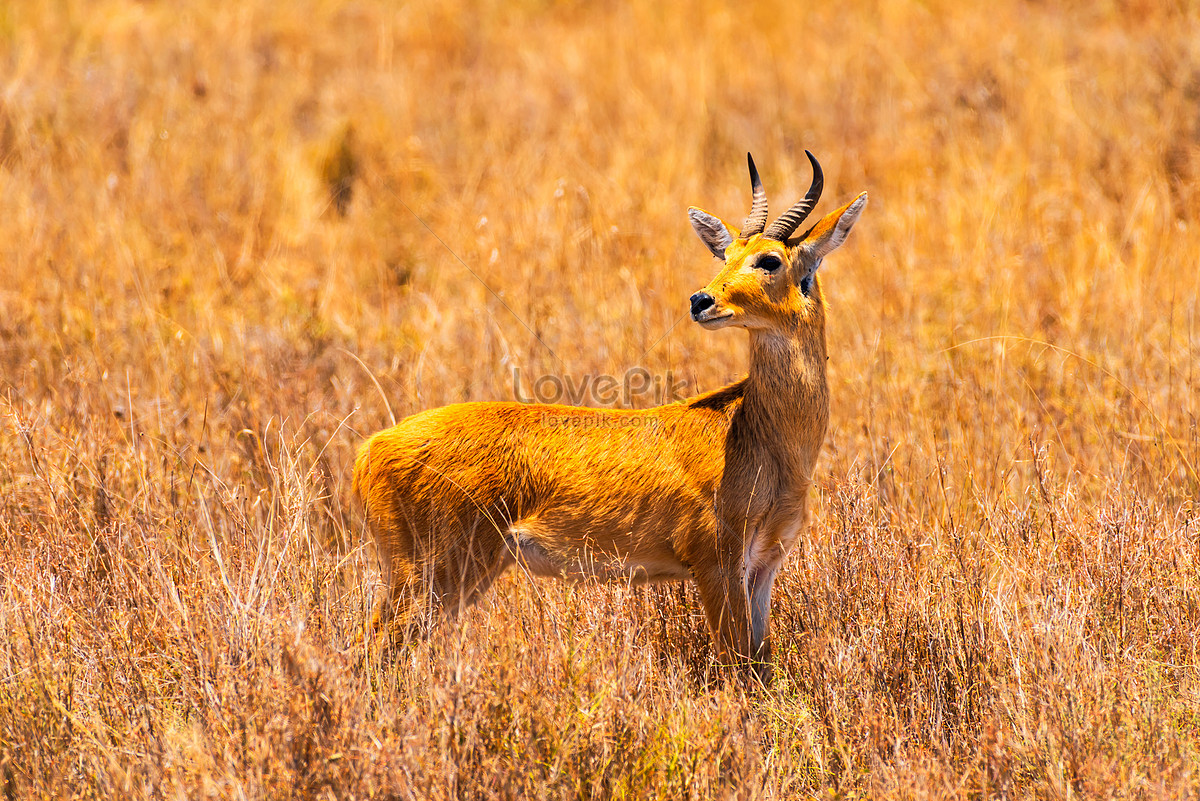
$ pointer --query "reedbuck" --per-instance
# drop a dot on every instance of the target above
(713, 489)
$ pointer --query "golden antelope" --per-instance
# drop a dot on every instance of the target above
(713, 489)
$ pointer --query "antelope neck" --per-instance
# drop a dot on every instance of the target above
(787, 395)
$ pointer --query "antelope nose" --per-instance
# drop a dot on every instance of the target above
(700, 302)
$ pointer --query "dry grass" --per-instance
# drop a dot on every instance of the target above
(210, 215)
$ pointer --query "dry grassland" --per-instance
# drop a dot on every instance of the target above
(222, 224)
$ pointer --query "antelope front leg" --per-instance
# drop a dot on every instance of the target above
(761, 580)
(727, 608)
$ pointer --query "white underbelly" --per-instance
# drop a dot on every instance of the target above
(537, 561)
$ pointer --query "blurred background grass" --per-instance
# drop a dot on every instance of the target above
(213, 213)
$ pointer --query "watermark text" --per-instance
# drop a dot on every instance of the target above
(635, 388)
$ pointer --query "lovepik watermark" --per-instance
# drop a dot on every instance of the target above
(636, 385)
(590, 419)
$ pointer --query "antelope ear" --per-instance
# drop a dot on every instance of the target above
(829, 234)
(715, 234)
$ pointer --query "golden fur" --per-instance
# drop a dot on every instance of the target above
(713, 489)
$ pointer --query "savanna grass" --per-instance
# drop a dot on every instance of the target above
(238, 238)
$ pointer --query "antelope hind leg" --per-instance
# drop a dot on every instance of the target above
(401, 613)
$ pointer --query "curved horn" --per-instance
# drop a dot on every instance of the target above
(757, 218)
(782, 228)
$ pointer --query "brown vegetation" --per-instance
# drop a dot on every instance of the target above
(221, 248)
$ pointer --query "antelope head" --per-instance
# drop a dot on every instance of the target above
(769, 279)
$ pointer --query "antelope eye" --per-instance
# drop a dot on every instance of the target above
(770, 263)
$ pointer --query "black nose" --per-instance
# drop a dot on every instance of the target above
(700, 302)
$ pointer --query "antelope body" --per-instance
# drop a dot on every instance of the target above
(713, 489)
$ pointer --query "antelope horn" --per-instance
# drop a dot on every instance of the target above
(757, 218)
(782, 228)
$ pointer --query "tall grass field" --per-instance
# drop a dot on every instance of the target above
(238, 238)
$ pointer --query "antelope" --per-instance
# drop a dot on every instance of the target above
(713, 489)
